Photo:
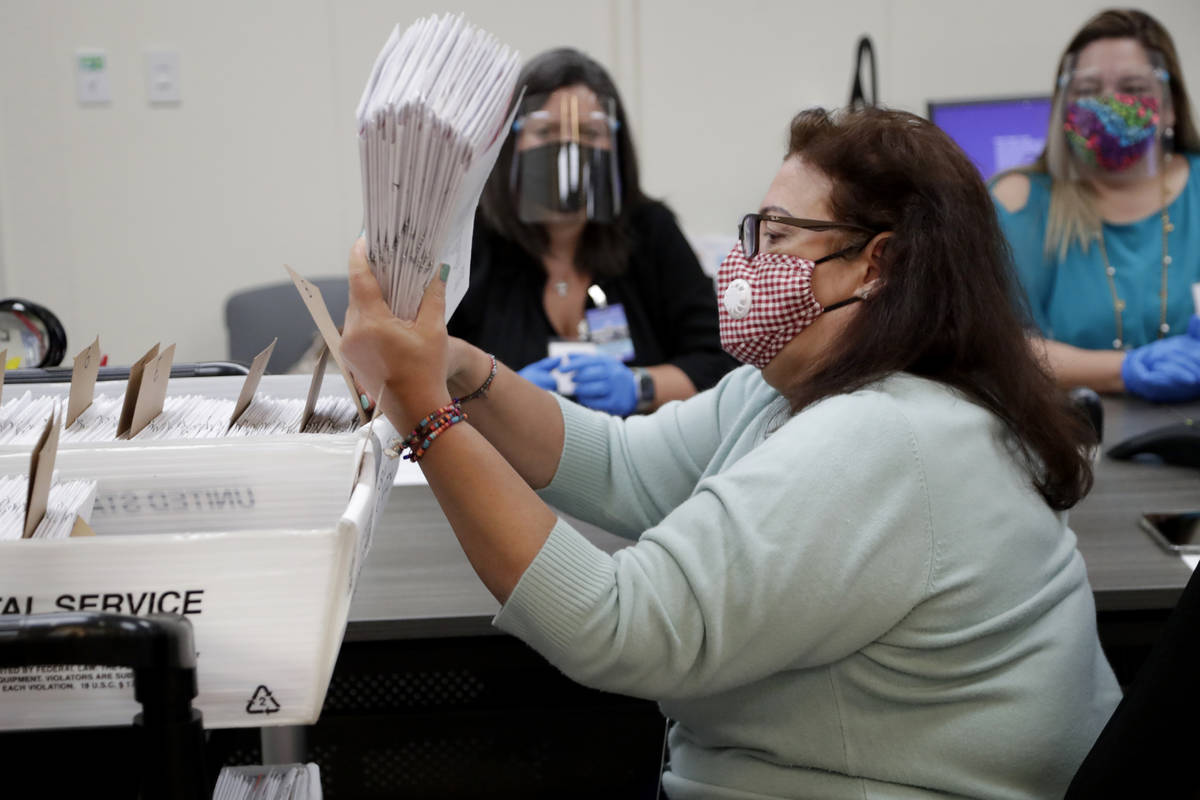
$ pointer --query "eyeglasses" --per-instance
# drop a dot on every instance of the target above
(748, 228)
(538, 128)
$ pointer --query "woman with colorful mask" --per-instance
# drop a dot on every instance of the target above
(1105, 226)
(569, 256)
(852, 574)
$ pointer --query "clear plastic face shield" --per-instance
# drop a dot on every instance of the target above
(1113, 113)
(565, 161)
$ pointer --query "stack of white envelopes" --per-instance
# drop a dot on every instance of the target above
(274, 782)
(23, 417)
(68, 500)
(432, 118)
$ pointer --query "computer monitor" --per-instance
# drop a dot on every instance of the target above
(997, 134)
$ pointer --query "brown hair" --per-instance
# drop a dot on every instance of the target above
(948, 308)
(1073, 216)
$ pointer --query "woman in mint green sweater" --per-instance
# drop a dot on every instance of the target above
(851, 574)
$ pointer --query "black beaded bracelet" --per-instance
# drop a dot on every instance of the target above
(482, 390)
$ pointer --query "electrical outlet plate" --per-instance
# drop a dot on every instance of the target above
(162, 76)
(91, 77)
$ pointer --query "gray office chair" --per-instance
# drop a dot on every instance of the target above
(256, 316)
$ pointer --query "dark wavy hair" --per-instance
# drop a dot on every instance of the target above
(604, 249)
(948, 308)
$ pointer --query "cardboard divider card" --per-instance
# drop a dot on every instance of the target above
(152, 391)
(132, 385)
(81, 528)
(41, 470)
(257, 368)
(315, 304)
(83, 381)
(314, 389)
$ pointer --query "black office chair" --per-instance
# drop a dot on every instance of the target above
(1087, 403)
(1146, 749)
(256, 316)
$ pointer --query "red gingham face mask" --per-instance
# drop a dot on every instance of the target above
(765, 302)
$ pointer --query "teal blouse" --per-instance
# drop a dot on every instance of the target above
(1071, 300)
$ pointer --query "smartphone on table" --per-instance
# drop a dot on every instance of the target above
(1177, 533)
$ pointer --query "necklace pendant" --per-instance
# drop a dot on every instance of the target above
(1116, 344)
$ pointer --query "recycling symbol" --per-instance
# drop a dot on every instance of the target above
(262, 702)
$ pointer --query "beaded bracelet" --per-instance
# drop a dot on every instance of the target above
(428, 429)
(431, 421)
(398, 444)
(415, 454)
(482, 390)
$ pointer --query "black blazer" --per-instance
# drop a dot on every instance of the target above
(670, 304)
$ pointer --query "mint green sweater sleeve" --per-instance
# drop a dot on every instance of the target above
(685, 610)
(651, 462)
(866, 599)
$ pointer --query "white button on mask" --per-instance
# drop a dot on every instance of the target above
(738, 298)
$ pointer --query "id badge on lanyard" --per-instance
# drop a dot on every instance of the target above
(609, 330)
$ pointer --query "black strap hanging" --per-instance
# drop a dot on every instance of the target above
(858, 97)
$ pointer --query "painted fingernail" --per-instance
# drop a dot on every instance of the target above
(444, 273)
(366, 401)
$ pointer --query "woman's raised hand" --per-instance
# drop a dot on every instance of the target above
(401, 363)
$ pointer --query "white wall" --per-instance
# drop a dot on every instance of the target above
(720, 82)
(3, 271)
(136, 222)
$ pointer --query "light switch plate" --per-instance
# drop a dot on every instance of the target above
(91, 77)
(162, 76)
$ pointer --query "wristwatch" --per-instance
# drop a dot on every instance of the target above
(645, 388)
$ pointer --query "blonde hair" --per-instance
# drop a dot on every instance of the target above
(1073, 214)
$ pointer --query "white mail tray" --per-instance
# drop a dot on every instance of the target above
(268, 606)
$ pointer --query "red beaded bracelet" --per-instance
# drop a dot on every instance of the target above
(428, 429)
(415, 455)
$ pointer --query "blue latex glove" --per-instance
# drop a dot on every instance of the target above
(538, 373)
(1167, 370)
(603, 383)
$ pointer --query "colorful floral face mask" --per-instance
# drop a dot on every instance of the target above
(766, 301)
(1111, 132)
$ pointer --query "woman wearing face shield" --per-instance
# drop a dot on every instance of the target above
(849, 572)
(568, 255)
(1105, 226)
